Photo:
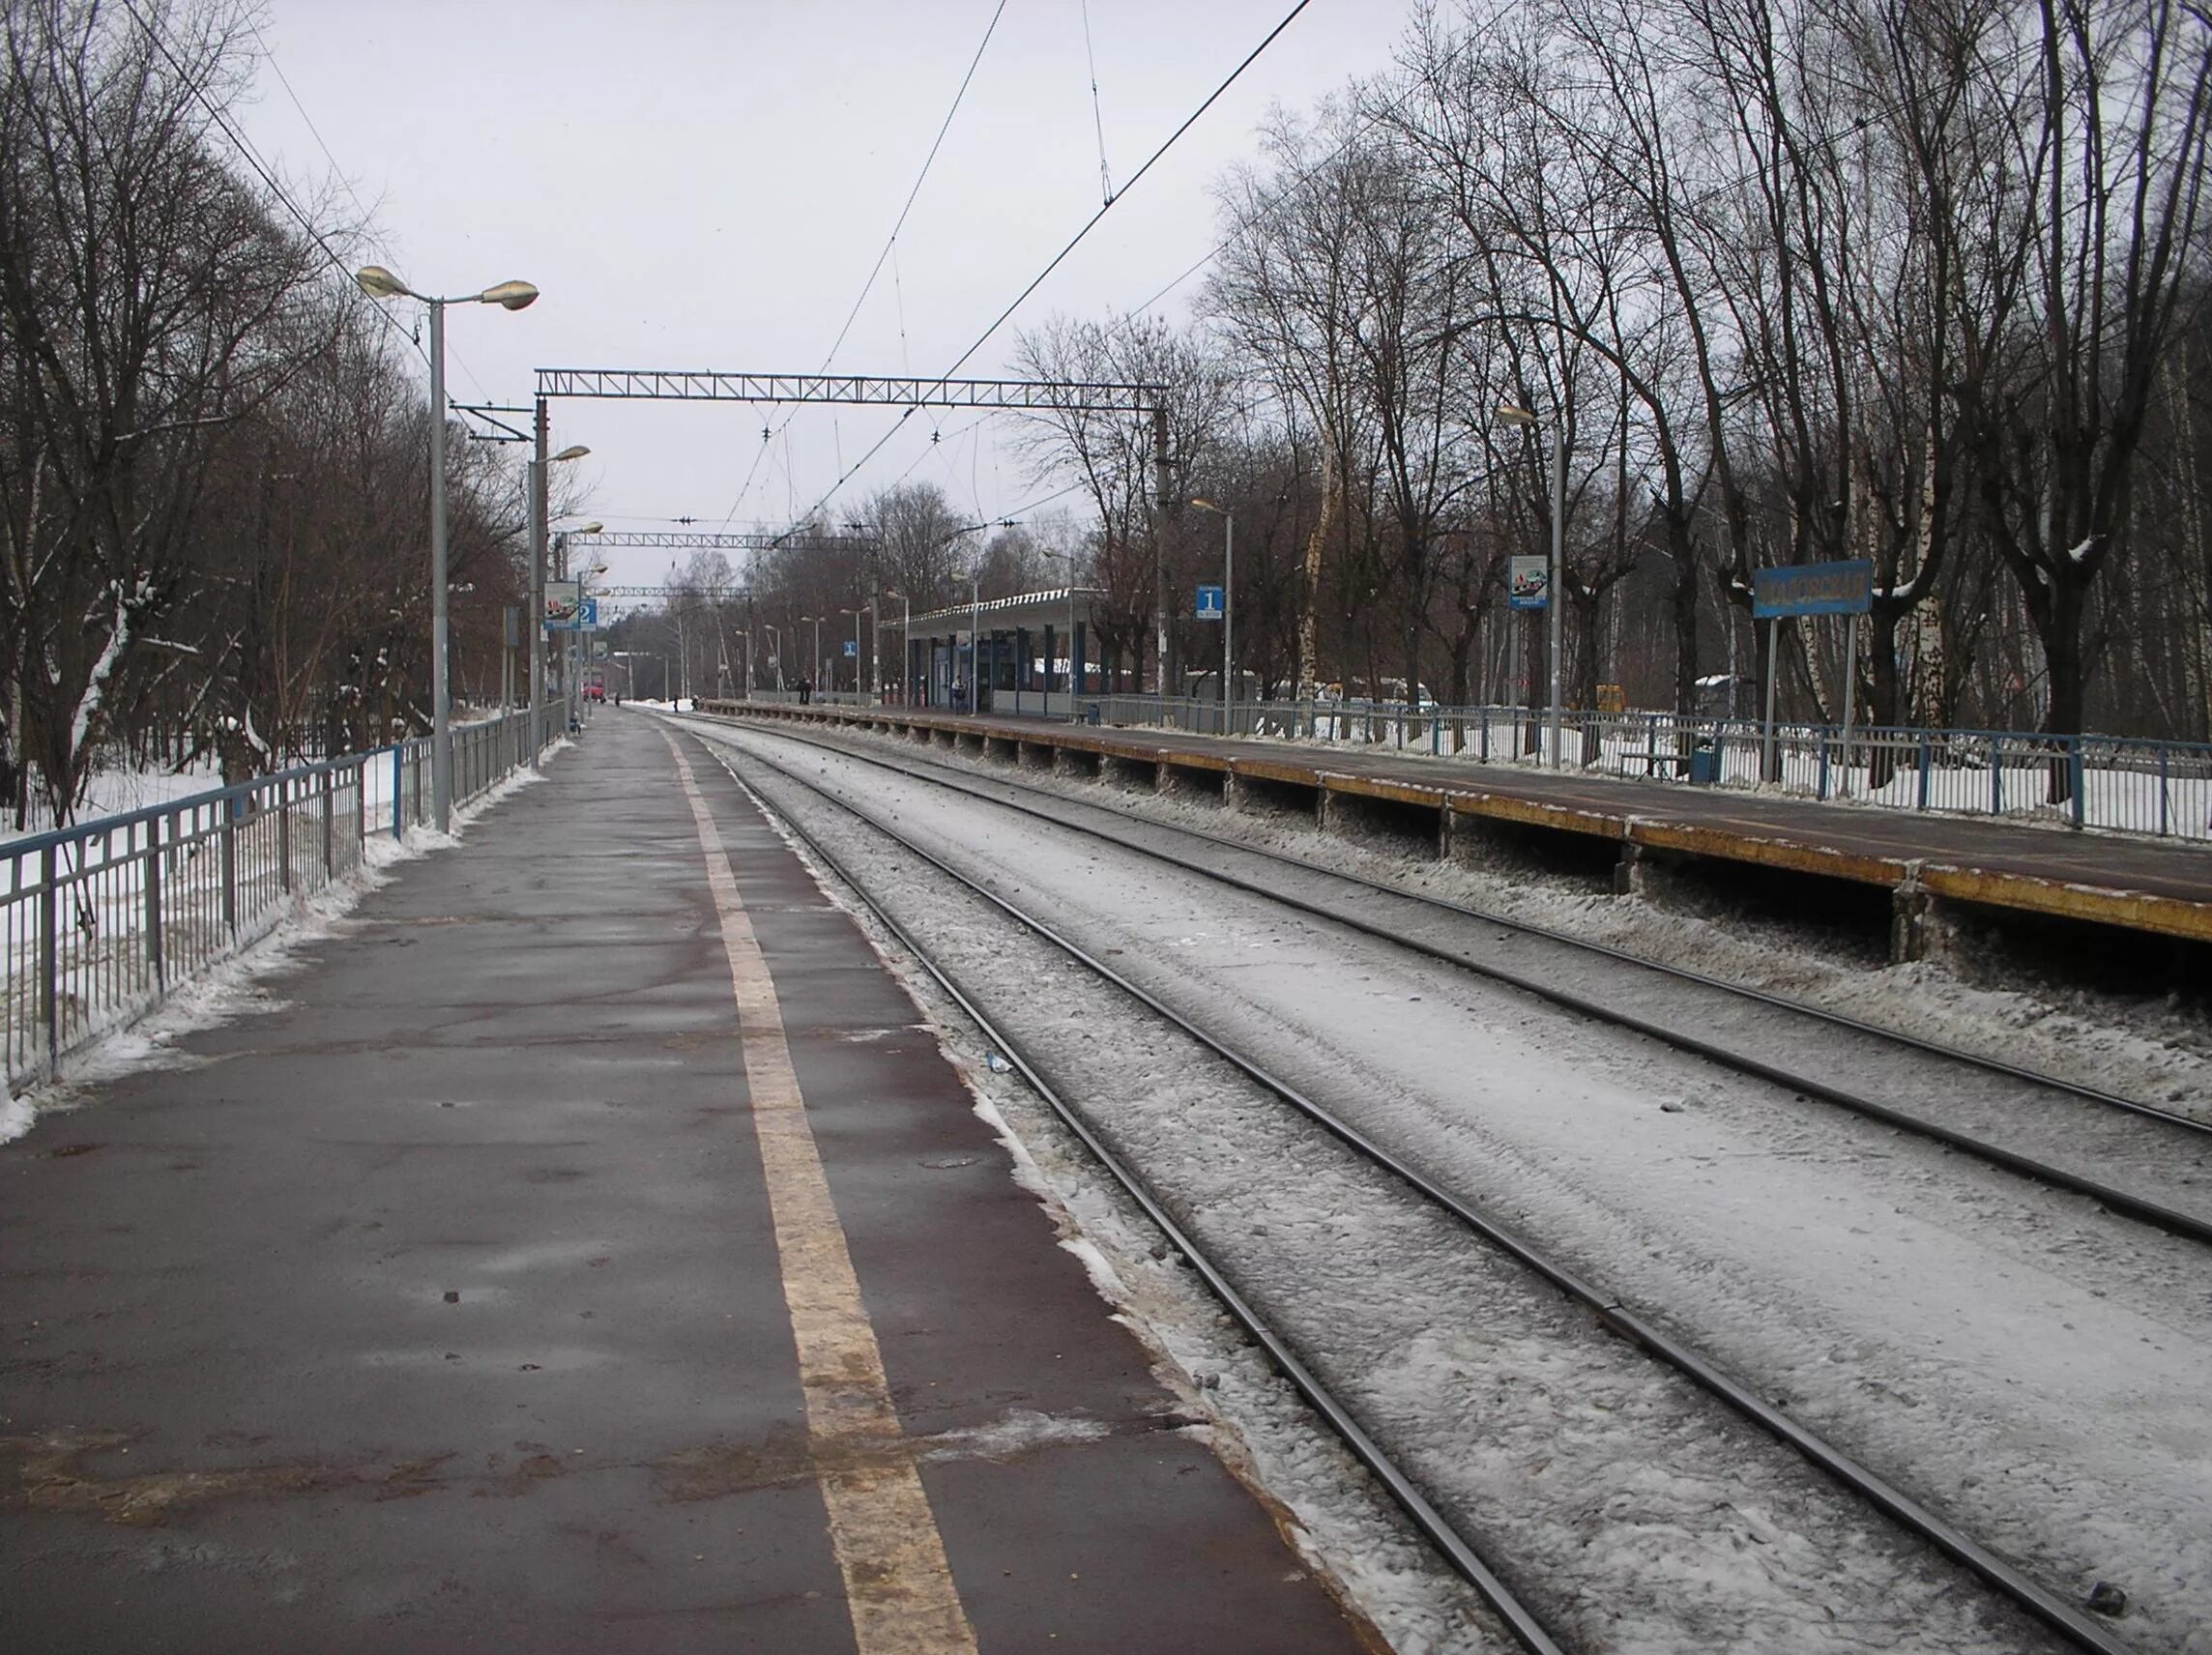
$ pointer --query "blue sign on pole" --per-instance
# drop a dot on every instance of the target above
(1529, 583)
(1210, 603)
(1813, 589)
(585, 617)
(851, 649)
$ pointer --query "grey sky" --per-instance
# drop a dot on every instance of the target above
(705, 184)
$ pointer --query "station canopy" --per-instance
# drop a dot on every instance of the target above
(1030, 611)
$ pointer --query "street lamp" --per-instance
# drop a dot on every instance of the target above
(537, 539)
(379, 283)
(816, 680)
(905, 649)
(1513, 415)
(776, 632)
(1228, 607)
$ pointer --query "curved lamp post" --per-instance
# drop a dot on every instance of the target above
(379, 283)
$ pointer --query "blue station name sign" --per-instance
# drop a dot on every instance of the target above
(1813, 589)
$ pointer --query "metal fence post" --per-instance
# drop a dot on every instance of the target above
(1997, 777)
(1823, 788)
(1927, 761)
(284, 835)
(399, 789)
(2164, 803)
(154, 904)
(2074, 775)
(50, 962)
(229, 840)
(330, 827)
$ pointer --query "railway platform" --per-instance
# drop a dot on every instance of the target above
(588, 1248)
(1920, 863)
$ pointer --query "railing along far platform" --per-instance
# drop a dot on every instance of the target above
(2124, 784)
(101, 920)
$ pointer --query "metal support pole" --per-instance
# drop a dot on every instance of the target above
(1227, 620)
(1773, 673)
(1851, 688)
(1514, 627)
(1164, 493)
(539, 512)
(440, 716)
(1555, 594)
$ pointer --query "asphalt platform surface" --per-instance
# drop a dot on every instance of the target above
(436, 1305)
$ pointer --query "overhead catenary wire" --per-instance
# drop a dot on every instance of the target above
(1073, 242)
(1097, 114)
(890, 242)
(1135, 178)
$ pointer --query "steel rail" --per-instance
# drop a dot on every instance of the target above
(1527, 927)
(2172, 1220)
(1893, 1502)
(1468, 1564)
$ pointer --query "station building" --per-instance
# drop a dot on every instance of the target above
(1018, 654)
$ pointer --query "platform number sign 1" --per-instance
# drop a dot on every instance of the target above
(1210, 603)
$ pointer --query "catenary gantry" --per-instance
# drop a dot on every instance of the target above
(685, 384)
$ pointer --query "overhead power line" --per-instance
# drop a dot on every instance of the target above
(1074, 242)
(889, 242)
(1135, 179)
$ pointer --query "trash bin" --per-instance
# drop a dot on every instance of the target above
(1704, 763)
(1091, 713)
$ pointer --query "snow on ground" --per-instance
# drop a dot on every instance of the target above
(2147, 1049)
(1630, 1509)
(234, 985)
(2026, 1365)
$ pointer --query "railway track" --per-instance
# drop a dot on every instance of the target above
(1467, 1555)
(2147, 1164)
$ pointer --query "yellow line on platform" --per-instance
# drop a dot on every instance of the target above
(898, 1585)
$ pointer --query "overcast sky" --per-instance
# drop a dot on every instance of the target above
(705, 184)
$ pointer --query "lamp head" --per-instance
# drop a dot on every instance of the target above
(514, 295)
(1207, 505)
(590, 529)
(574, 452)
(378, 283)
(1513, 415)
